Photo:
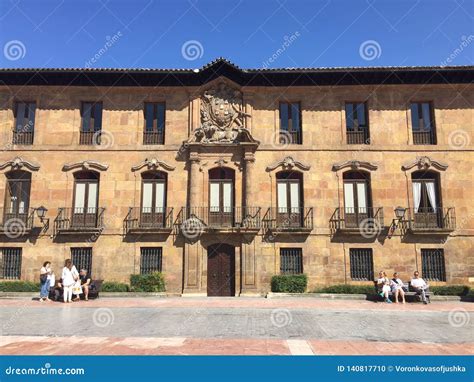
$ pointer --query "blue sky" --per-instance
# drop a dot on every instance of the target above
(252, 34)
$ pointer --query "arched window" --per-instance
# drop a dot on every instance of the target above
(154, 195)
(289, 197)
(221, 195)
(86, 196)
(357, 197)
(17, 195)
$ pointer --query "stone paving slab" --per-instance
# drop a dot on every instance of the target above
(232, 302)
(205, 346)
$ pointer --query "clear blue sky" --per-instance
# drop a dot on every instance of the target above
(155, 34)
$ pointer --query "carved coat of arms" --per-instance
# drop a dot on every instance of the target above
(222, 117)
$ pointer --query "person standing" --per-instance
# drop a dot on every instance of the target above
(419, 286)
(45, 272)
(69, 278)
(397, 288)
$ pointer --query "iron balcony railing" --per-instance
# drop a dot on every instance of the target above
(292, 219)
(242, 218)
(16, 222)
(364, 220)
(153, 138)
(148, 219)
(79, 219)
(430, 219)
(23, 137)
(359, 137)
(424, 137)
(90, 137)
(294, 137)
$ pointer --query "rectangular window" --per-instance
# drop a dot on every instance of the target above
(150, 260)
(154, 133)
(91, 115)
(362, 264)
(432, 264)
(82, 259)
(10, 263)
(23, 132)
(290, 123)
(422, 123)
(291, 261)
(357, 124)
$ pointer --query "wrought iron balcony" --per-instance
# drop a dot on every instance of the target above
(90, 137)
(296, 219)
(241, 219)
(16, 223)
(79, 220)
(23, 137)
(148, 220)
(424, 137)
(364, 221)
(430, 220)
(359, 137)
(153, 138)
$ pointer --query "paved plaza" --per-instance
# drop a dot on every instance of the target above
(235, 326)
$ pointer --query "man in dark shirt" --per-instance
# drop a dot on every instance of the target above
(85, 283)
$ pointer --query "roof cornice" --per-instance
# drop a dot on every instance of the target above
(337, 76)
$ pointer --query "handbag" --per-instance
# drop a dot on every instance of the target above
(77, 289)
(43, 278)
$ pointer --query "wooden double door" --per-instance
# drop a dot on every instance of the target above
(221, 270)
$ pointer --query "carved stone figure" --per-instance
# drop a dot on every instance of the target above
(222, 117)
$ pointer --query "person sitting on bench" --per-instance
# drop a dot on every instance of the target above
(419, 286)
(85, 283)
(397, 288)
(383, 285)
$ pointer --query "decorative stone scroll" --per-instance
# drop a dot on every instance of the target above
(86, 165)
(19, 163)
(153, 164)
(354, 165)
(424, 163)
(288, 163)
(222, 117)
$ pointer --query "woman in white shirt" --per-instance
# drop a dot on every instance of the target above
(69, 278)
(397, 288)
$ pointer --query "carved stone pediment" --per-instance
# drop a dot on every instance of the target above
(424, 163)
(153, 164)
(288, 163)
(86, 165)
(19, 163)
(222, 117)
(354, 165)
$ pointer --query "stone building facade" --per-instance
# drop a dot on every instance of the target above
(223, 177)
